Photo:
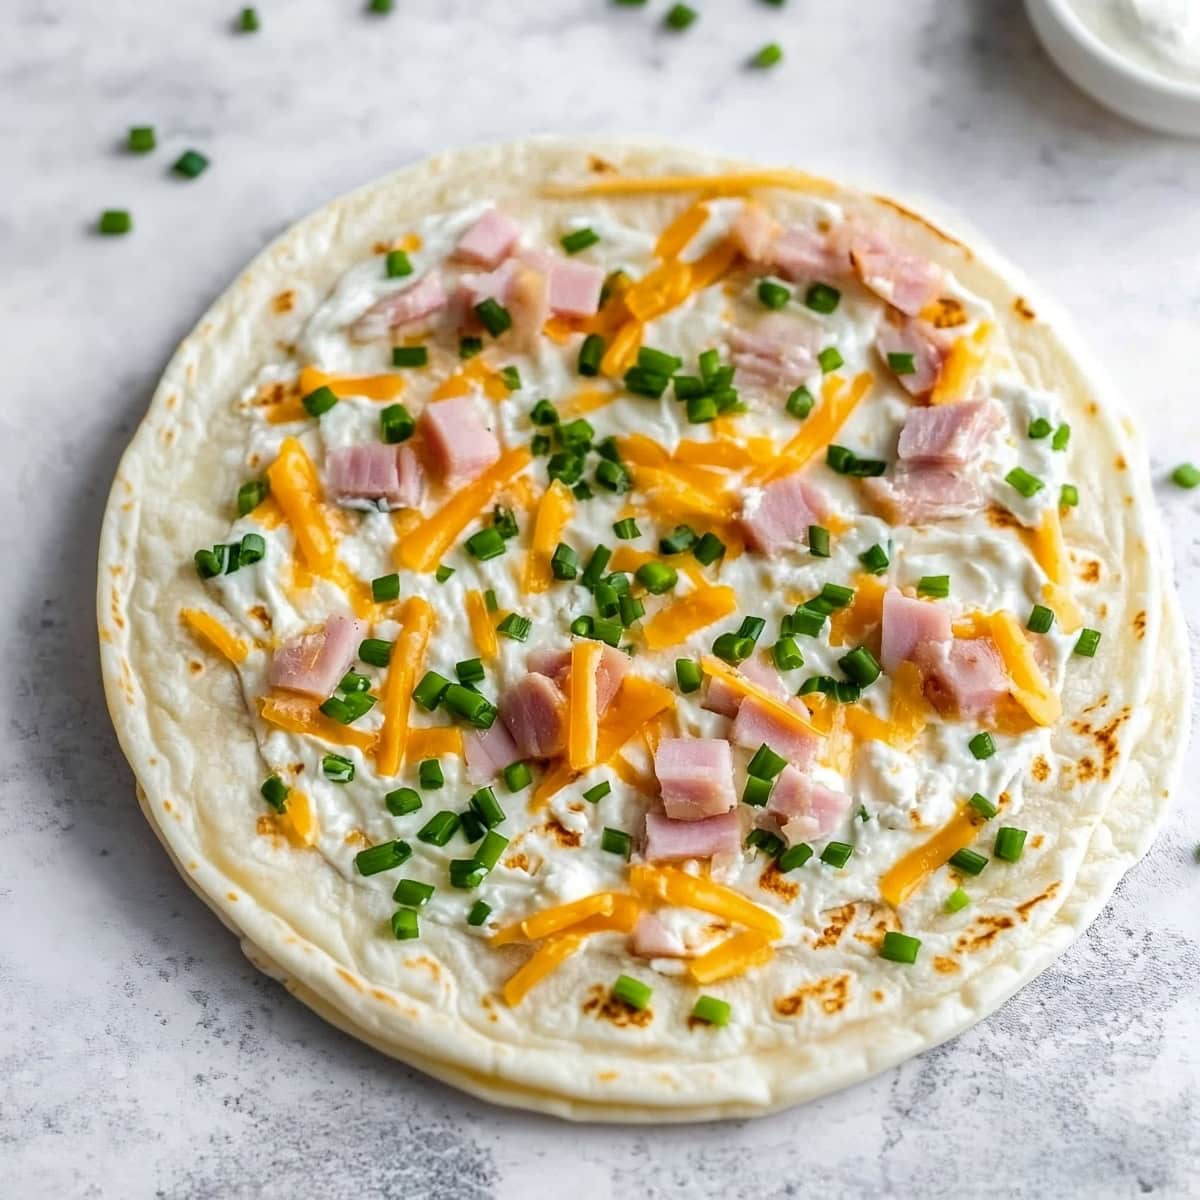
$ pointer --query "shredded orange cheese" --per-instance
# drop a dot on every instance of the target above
(583, 716)
(728, 184)
(483, 629)
(554, 512)
(745, 687)
(554, 919)
(217, 636)
(541, 963)
(407, 660)
(374, 387)
(963, 364)
(297, 715)
(298, 821)
(434, 741)
(680, 231)
(689, 614)
(905, 876)
(672, 886)
(297, 491)
(734, 956)
(1029, 686)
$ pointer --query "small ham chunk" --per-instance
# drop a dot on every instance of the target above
(375, 476)
(489, 240)
(963, 676)
(667, 839)
(474, 289)
(802, 254)
(651, 938)
(753, 232)
(460, 445)
(424, 298)
(534, 711)
(917, 493)
(778, 353)
(909, 623)
(719, 697)
(950, 435)
(610, 674)
(488, 752)
(906, 281)
(805, 809)
(756, 724)
(314, 663)
(575, 288)
(778, 516)
(696, 777)
(924, 343)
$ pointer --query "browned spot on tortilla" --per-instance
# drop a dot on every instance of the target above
(839, 919)
(1105, 737)
(982, 932)
(1097, 704)
(118, 620)
(168, 436)
(426, 963)
(1036, 841)
(284, 301)
(193, 866)
(832, 994)
(195, 666)
(1102, 611)
(895, 206)
(1093, 408)
(1139, 625)
(271, 394)
(489, 1005)
(1086, 768)
(561, 834)
(604, 1006)
(772, 880)
(350, 979)
(1120, 463)
(1090, 571)
(948, 313)
(607, 1076)
(945, 964)
(576, 807)
(356, 837)
(260, 614)
(600, 166)
(1025, 909)
(875, 934)
(1041, 769)
(518, 862)
(253, 460)
(232, 896)
(172, 400)
(877, 996)
(383, 997)
(915, 819)
(117, 570)
(1022, 309)
(166, 806)
(381, 247)
(1001, 518)
(266, 826)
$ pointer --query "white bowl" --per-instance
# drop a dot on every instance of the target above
(1124, 86)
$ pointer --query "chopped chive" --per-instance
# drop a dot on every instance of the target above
(484, 803)
(142, 139)
(846, 462)
(352, 681)
(579, 239)
(595, 794)
(679, 17)
(115, 221)
(875, 559)
(982, 746)
(412, 893)
(396, 424)
(590, 354)
(470, 705)
(861, 666)
(983, 806)
(643, 382)
(708, 549)
(934, 585)
(405, 924)
(970, 862)
(517, 776)
(607, 631)
(488, 855)
(608, 600)
(469, 670)
(511, 378)
(480, 911)
(403, 801)
(752, 627)
(1062, 437)
(658, 361)
(489, 600)
(1010, 843)
(656, 577)
(787, 654)
(768, 56)
(386, 587)
(564, 562)
(583, 627)
(701, 409)
(1068, 496)
(837, 854)
(1040, 619)
(613, 477)
(616, 841)
(837, 595)
(957, 901)
(539, 445)
(688, 675)
(902, 364)
(822, 298)
(830, 359)
(375, 651)
(515, 626)
(806, 622)
(1185, 476)
(1039, 428)
(773, 295)
(431, 690)
(337, 768)
(757, 791)
(795, 856)
(1089, 641)
(711, 1011)
(681, 538)
(429, 774)
(275, 792)
(800, 402)
(687, 387)
(346, 710)
(732, 649)
(397, 266)
(627, 529)
(899, 947)
(383, 857)
(209, 563)
(251, 549)
(504, 522)
(379, 6)
(485, 544)
(581, 491)
(632, 991)
(410, 356)
(766, 764)
(190, 164)
(493, 316)
(565, 467)
(440, 828)
(468, 347)
(544, 413)
(818, 541)
(251, 494)
(769, 843)
(319, 401)
(443, 573)
(1025, 483)
(631, 610)
(466, 874)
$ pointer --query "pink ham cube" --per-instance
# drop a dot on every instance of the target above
(534, 711)
(314, 664)
(460, 445)
(778, 353)
(488, 752)
(719, 697)
(906, 281)
(909, 623)
(951, 435)
(375, 475)
(652, 939)
(963, 677)
(805, 809)
(575, 288)
(756, 724)
(667, 839)
(917, 493)
(397, 309)
(695, 776)
(753, 232)
(928, 352)
(778, 516)
(610, 673)
(489, 240)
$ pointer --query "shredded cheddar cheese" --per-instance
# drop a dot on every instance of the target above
(672, 886)
(733, 956)
(217, 636)
(966, 360)
(1029, 686)
(689, 614)
(483, 628)
(555, 510)
(583, 717)
(297, 715)
(906, 875)
(541, 963)
(405, 666)
(297, 491)
(434, 741)
(731, 184)
(555, 919)
(747, 687)
(373, 387)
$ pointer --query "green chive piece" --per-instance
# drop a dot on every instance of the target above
(773, 295)
(352, 681)
(579, 239)
(771, 844)
(830, 359)
(708, 549)
(115, 221)
(142, 139)
(319, 401)
(656, 577)
(504, 522)
(1068, 497)
(1040, 619)
(875, 560)
(471, 827)
(1062, 437)
(431, 690)
(818, 541)
(403, 801)
(846, 462)
(410, 356)
(539, 445)
(470, 705)
(642, 382)
(1010, 843)
(337, 768)
(517, 776)
(383, 857)
(766, 764)
(469, 670)
(375, 651)
(595, 794)
(688, 675)
(209, 563)
(405, 925)
(443, 573)
(397, 265)
(515, 626)
(429, 774)
(681, 538)
(934, 585)
(608, 632)
(613, 477)
(970, 862)
(581, 491)
(386, 587)
(787, 654)
(608, 601)
(468, 347)
(861, 666)
(899, 947)
(544, 413)
(822, 298)
(837, 854)
(480, 911)
(564, 562)
(583, 627)
(489, 600)
(1039, 428)
(701, 409)
(687, 387)
(957, 900)
(902, 364)
(251, 549)
(565, 467)
(1025, 483)
(711, 1011)
(190, 164)
(379, 6)
(633, 992)
(767, 57)
(616, 841)
(631, 610)
(982, 746)
(757, 791)
(679, 17)
(488, 854)
(983, 806)
(658, 361)
(627, 529)
(795, 856)
(412, 893)
(590, 354)
(466, 874)
(511, 378)
(1185, 476)
(493, 316)
(752, 627)
(484, 802)
(275, 793)
(485, 544)
(1088, 643)
(440, 828)
(800, 403)
(251, 494)
(732, 649)
(396, 424)
(346, 710)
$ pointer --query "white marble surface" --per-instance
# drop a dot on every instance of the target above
(140, 1055)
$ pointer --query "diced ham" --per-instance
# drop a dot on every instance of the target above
(695, 776)
(489, 240)
(964, 676)
(950, 435)
(668, 839)
(474, 289)
(488, 752)
(916, 493)
(375, 475)
(927, 347)
(610, 674)
(425, 297)
(534, 711)
(756, 724)
(779, 352)
(528, 305)
(459, 444)
(555, 664)
(753, 232)
(909, 623)
(719, 697)
(575, 288)
(906, 281)
(314, 663)
(802, 254)
(779, 515)
(652, 939)
(805, 809)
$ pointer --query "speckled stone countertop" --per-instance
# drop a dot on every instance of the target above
(140, 1054)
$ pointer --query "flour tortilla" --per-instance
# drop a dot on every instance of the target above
(829, 1016)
